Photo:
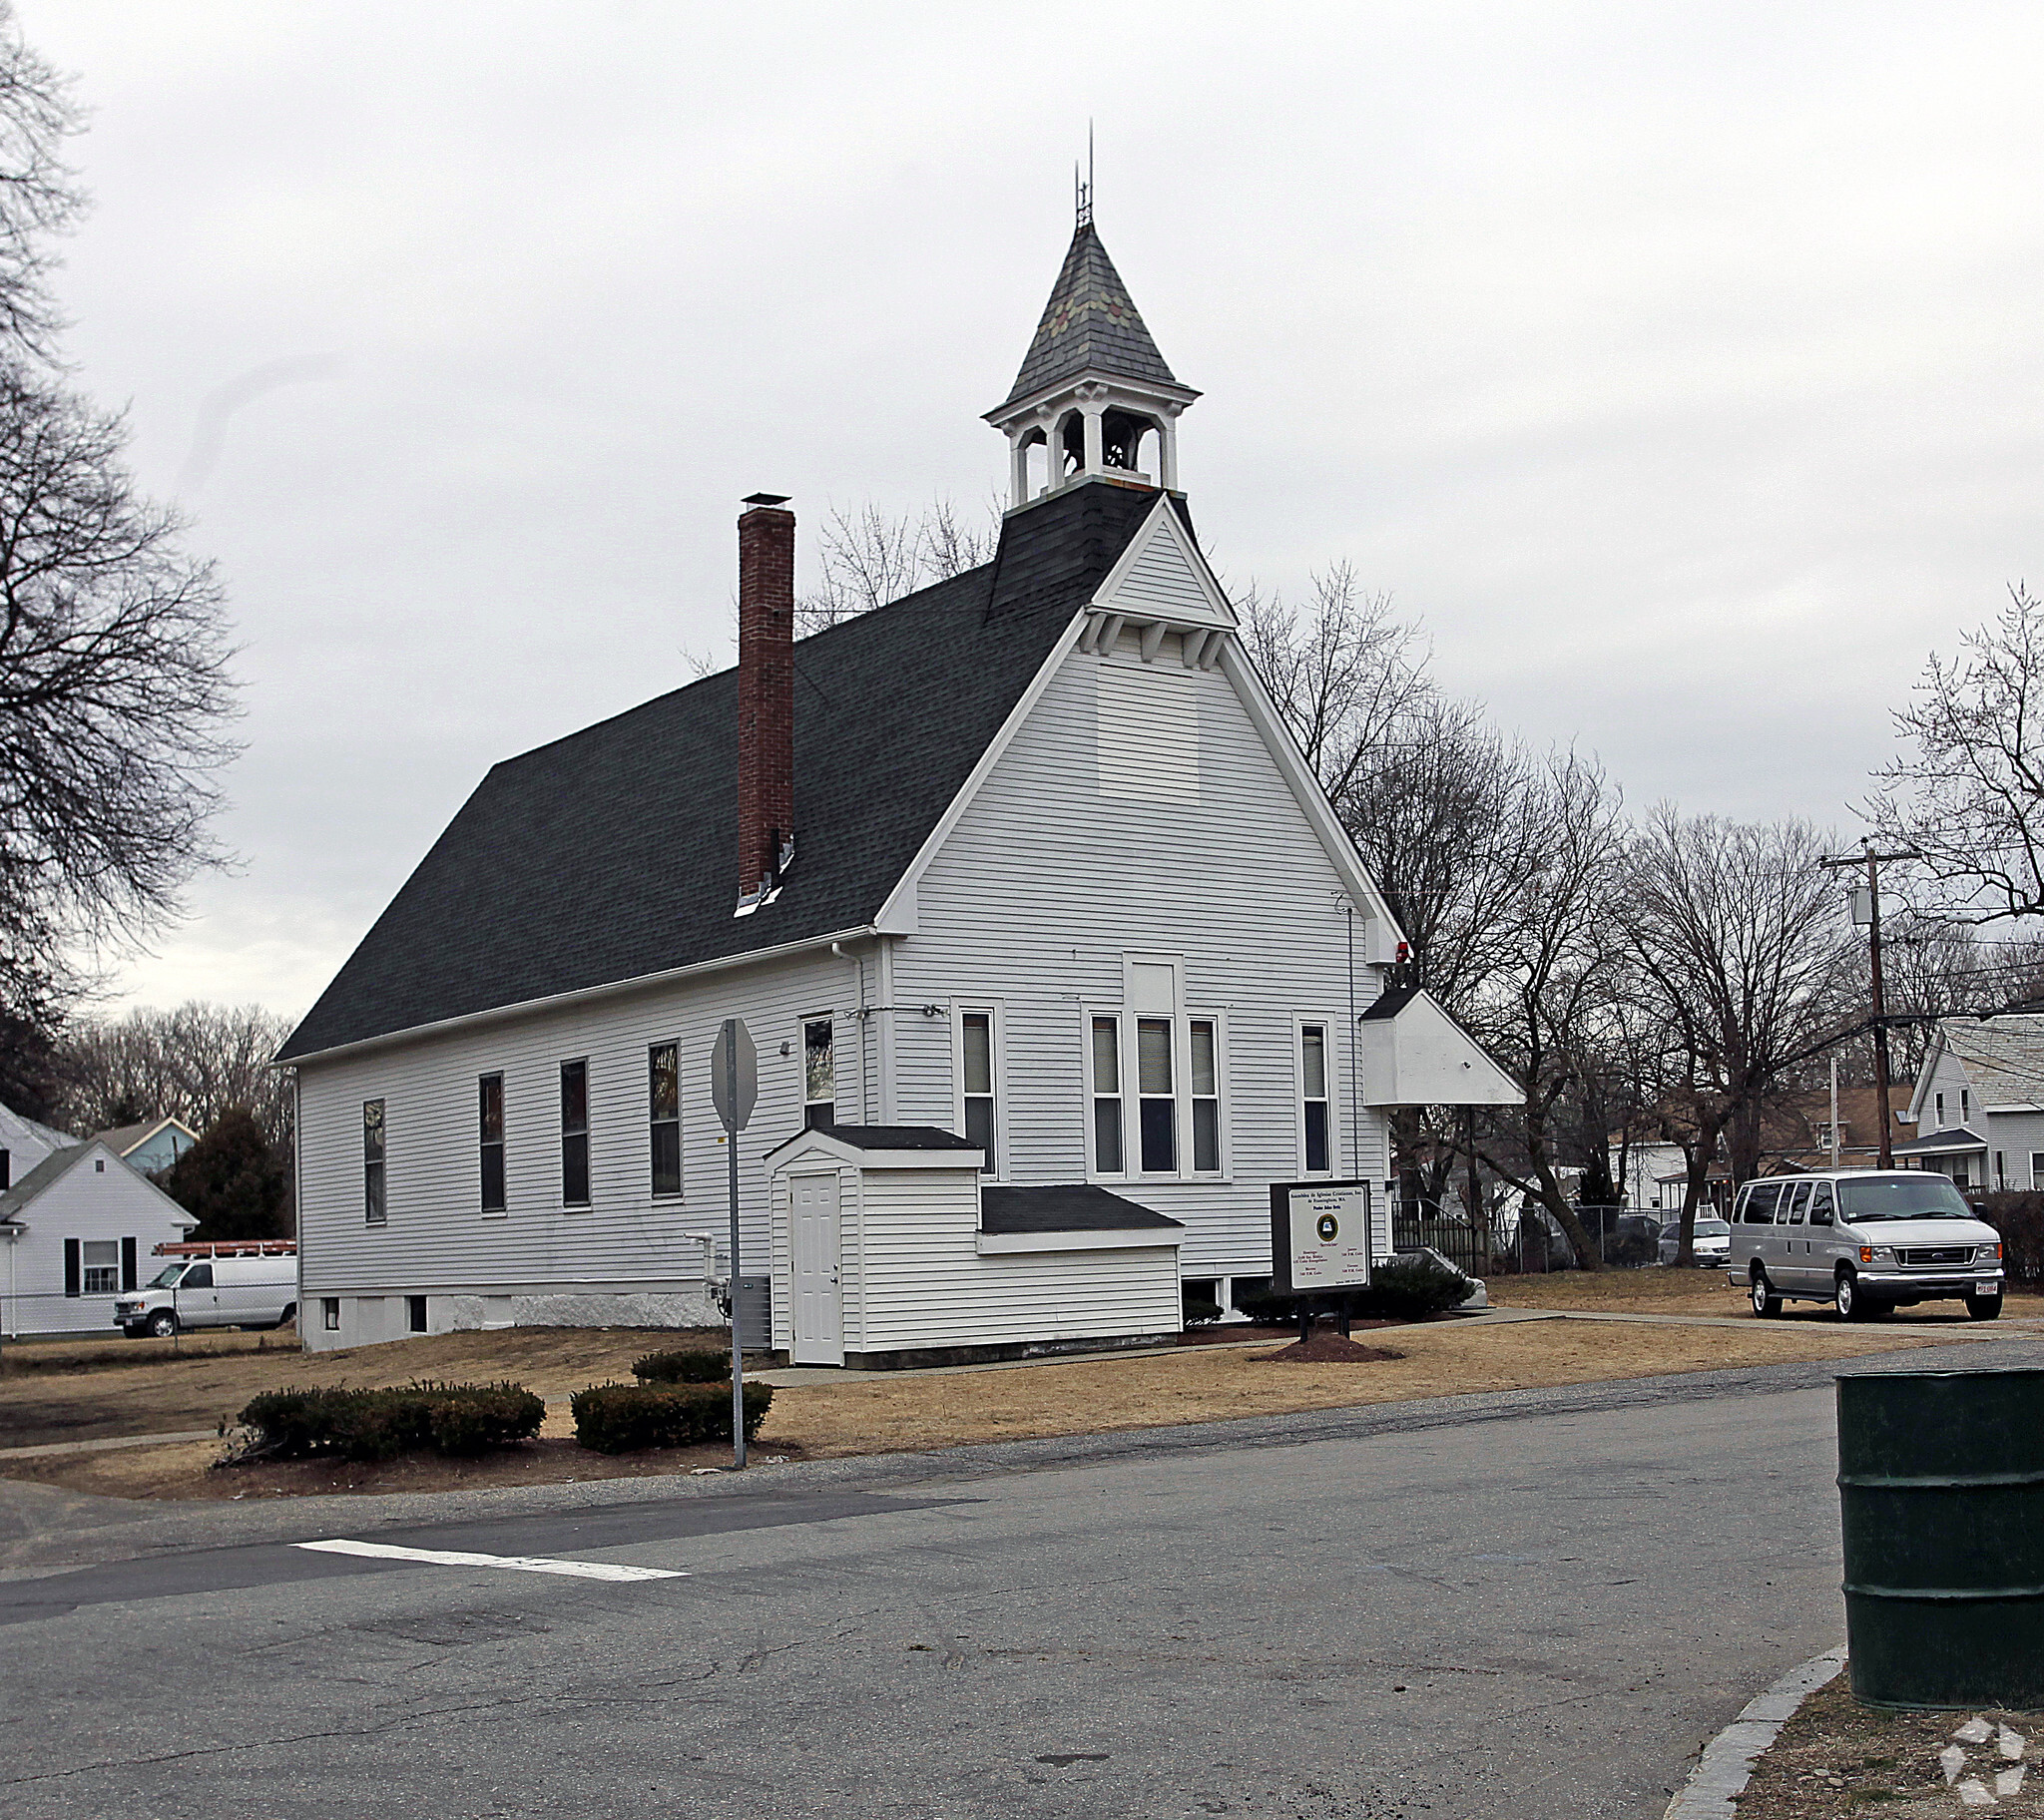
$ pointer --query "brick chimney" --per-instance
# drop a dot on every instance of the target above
(766, 696)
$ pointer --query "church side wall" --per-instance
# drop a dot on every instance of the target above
(624, 1259)
(1061, 869)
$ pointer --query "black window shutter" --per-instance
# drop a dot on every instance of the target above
(127, 1263)
(73, 1279)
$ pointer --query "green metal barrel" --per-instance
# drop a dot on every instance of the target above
(1941, 1487)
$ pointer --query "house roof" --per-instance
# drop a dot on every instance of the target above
(1065, 1207)
(53, 1168)
(1090, 325)
(637, 814)
(2004, 1055)
(1942, 1144)
(125, 1140)
(900, 1137)
(18, 1124)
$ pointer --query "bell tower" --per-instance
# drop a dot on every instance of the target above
(1093, 399)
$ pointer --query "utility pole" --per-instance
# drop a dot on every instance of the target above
(1867, 901)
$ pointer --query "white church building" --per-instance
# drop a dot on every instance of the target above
(1054, 952)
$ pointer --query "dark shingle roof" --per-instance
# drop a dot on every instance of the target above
(52, 1166)
(612, 854)
(1089, 325)
(1076, 1207)
(900, 1137)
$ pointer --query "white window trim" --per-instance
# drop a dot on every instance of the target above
(1225, 1172)
(1330, 1057)
(1087, 1013)
(994, 1010)
(680, 1194)
(561, 1204)
(503, 1142)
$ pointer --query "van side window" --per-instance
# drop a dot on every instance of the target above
(1759, 1203)
(1823, 1212)
(1794, 1204)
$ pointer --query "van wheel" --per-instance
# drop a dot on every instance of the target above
(1846, 1298)
(1982, 1307)
(1765, 1303)
(162, 1324)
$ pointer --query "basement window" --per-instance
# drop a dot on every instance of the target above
(820, 1074)
(376, 1208)
(415, 1314)
(330, 1312)
(664, 1096)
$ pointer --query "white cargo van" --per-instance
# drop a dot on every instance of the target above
(214, 1286)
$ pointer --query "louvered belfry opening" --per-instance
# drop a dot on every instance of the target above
(765, 694)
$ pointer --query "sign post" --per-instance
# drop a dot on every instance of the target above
(733, 1091)
(1320, 1240)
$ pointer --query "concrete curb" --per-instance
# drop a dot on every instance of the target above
(1715, 1785)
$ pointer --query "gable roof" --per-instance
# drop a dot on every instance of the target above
(59, 1163)
(638, 815)
(1091, 324)
(18, 1125)
(126, 1140)
(2004, 1055)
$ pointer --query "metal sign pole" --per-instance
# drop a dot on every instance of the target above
(737, 1348)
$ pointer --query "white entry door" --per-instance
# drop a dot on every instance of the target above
(818, 1304)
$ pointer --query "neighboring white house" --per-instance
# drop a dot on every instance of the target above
(1979, 1103)
(24, 1144)
(79, 1229)
(1044, 930)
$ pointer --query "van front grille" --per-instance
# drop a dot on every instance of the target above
(1936, 1255)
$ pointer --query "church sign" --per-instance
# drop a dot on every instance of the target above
(1320, 1236)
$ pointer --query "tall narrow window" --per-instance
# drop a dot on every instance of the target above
(1206, 1097)
(664, 1088)
(1107, 1095)
(1965, 1105)
(819, 1075)
(376, 1209)
(1939, 1097)
(1156, 1107)
(1312, 1065)
(490, 1135)
(575, 1134)
(978, 1033)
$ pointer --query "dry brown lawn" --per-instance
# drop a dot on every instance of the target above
(920, 1411)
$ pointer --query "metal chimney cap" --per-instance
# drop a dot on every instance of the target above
(765, 499)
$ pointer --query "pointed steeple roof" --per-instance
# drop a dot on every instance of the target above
(1089, 325)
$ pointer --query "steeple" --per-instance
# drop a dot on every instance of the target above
(1094, 394)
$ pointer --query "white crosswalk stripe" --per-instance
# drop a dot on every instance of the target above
(522, 1563)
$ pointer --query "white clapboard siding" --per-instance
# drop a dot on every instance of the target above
(437, 1239)
(1045, 884)
(926, 1284)
(1164, 580)
(1146, 728)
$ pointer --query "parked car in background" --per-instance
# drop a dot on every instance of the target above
(1712, 1242)
(1865, 1240)
(225, 1286)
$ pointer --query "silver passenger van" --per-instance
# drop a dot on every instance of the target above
(1865, 1240)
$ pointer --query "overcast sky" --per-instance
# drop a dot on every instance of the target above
(1676, 365)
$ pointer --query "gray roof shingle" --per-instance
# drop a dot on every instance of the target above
(1089, 325)
(2004, 1055)
(1074, 1206)
(611, 854)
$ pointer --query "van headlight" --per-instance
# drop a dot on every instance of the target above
(1876, 1254)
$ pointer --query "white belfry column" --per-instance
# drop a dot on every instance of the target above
(1166, 451)
(1018, 468)
(1096, 455)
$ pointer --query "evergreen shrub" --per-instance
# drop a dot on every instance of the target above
(2018, 1216)
(460, 1420)
(622, 1418)
(1407, 1288)
(692, 1366)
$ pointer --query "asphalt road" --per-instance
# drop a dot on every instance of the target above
(1527, 1606)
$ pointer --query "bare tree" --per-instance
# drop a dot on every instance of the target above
(1738, 942)
(113, 681)
(38, 199)
(869, 558)
(1971, 799)
(193, 1063)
